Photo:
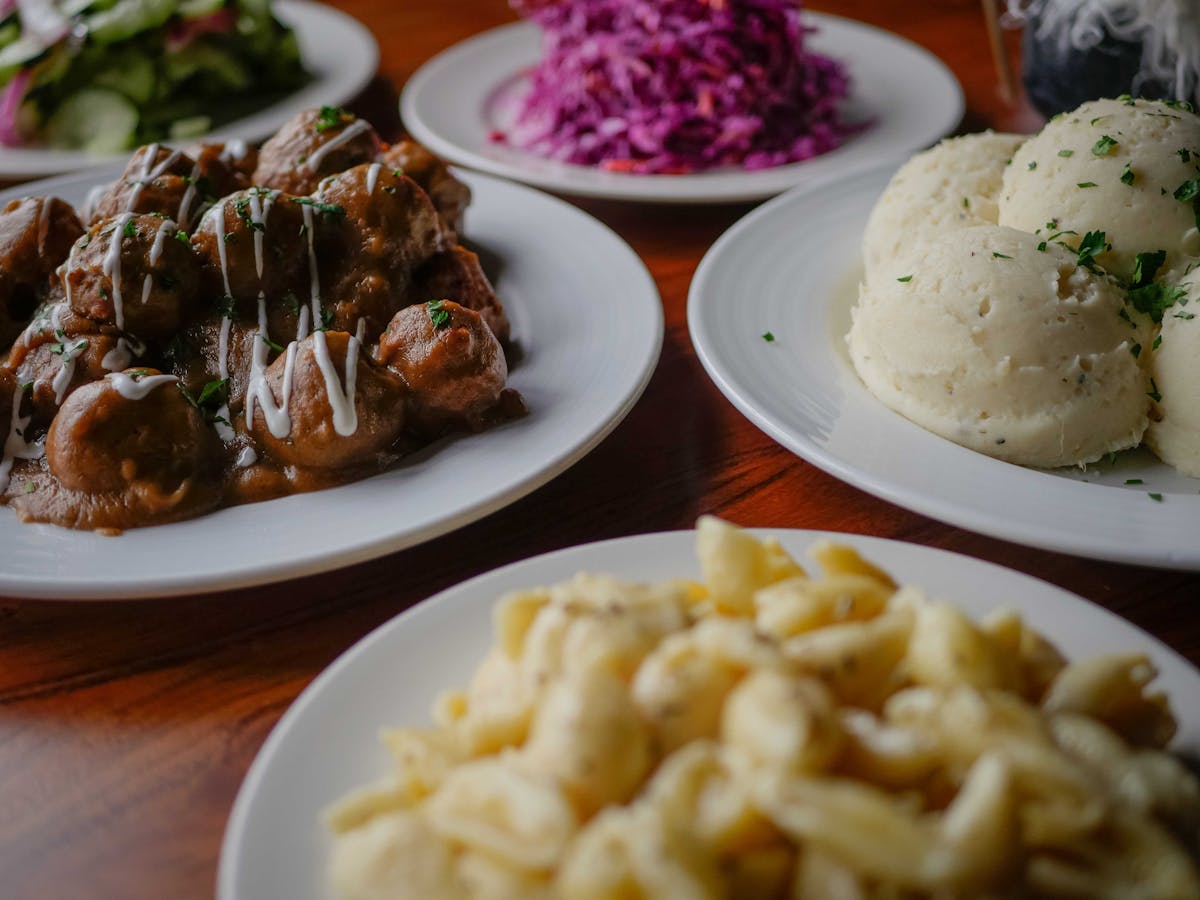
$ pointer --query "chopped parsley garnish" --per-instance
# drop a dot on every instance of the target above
(1153, 393)
(1112, 457)
(278, 348)
(30, 487)
(905, 279)
(1032, 165)
(332, 117)
(1146, 266)
(1097, 119)
(1093, 243)
(1188, 190)
(213, 396)
(1157, 498)
(326, 317)
(438, 314)
(1136, 350)
(1105, 145)
(329, 209)
(1185, 315)
(966, 203)
(130, 229)
(998, 255)
(292, 302)
(1157, 343)
(1155, 299)
(1066, 153)
(182, 237)
(225, 306)
(1127, 175)
(1184, 154)
(1085, 184)
(768, 337)
(1134, 481)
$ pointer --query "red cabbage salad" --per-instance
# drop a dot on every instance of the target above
(677, 86)
(107, 75)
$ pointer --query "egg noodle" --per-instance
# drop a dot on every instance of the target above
(769, 733)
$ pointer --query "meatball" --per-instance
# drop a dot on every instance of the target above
(376, 227)
(163, 181)
(449, 195)
(456, 273)
(452, 363)
(228, 167)
(255, 241)
(36, 234)
(59, 352)
(133, 431)
(134, 272)
(195, 356)
(312, 145)
(336, 421)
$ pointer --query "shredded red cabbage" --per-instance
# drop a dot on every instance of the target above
(674, 86)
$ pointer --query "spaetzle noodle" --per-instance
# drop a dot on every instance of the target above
(771, 732)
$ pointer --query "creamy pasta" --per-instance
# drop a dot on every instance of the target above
(774, 733)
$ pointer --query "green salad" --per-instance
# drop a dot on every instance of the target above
(107, 75)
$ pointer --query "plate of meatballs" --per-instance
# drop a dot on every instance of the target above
(226, 365)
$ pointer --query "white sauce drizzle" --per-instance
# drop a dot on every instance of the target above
(66, 371)
(156, 249)
(148, 174)
(233, 151)
(373, 177)
(246, 458)
(65, 270)
(112, 267)
(120, 356)
(260, 209)
(345, 413)
(88, 210)
(349, 133)
(138, 388)
(15, 445)
(189, 195)
(219, 231)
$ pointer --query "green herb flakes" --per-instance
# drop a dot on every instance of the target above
(768, 337)
(438, 315)
(1105, 145)
(1127, 175)
(905, 279)
(1066, 154)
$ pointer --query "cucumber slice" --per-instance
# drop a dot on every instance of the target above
(132, 74)
(127, 18)
(94, 119)
(20, 53)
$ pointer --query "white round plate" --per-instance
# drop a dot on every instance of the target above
(328, 741)
(588, 323)
(457, 100)
(339, 53)
(791, 268)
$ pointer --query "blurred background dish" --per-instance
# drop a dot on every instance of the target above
(338, 54)
(903, 97)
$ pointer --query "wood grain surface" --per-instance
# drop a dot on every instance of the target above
(126, 728)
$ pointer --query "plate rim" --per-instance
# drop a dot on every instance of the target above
(308, 17)
(1029, 532)
(231, 853)
(653, 188)
(651, 323)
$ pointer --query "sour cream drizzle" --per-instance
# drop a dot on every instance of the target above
(349, 133)
(62, 378)
(148, 173)
(345, 412)
(138, 388)
(112, 267)
(373, 177)
(15, 445)
(120, 356)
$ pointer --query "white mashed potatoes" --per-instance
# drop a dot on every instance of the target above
(953, 185)
(1003, 347)
(1034, 299)
(1114, 166)
(1174, 432)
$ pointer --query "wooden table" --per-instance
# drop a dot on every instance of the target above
(125, 729)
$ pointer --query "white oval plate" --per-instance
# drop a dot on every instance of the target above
(588, 321)
(791, 268)
(456, 100)
(328, 741)
(337, 50)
